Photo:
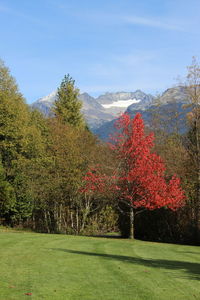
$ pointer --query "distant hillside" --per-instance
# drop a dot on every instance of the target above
(167, 106)
(101, 113)
(103, 109)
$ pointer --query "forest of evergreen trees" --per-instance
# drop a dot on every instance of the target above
(43, 161)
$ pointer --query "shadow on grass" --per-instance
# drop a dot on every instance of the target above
(188, 252)
(192, 270)
(106, 236)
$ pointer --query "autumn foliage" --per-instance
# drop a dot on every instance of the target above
(139, 178)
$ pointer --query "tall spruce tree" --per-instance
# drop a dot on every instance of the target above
(67, 105)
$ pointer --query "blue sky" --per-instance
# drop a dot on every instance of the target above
(105, 45)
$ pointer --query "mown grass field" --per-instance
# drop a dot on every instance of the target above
(69, 267)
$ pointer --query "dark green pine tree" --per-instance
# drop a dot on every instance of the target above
(67, 105)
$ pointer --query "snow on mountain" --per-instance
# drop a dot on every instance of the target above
(103, 109)
(101, 113)
(121, 103)
(167, 105)
(49, 98)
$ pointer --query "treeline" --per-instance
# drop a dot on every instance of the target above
(43, 162)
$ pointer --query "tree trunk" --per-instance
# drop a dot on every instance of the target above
(85, 214)
(34, 223)
(77, 221)
(46, 222)
(131, 223)
(60, 218)
(72, 220)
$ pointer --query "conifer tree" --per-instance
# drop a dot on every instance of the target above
(67, 105)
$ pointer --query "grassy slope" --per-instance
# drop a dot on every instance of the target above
(69, 267)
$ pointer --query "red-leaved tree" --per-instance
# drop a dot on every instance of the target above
(139, 180)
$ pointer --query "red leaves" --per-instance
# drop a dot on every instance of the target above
(97, 183)
(28, 294)
(141, 178)
(93, 181)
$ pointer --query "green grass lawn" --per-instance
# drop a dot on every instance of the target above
(69, 267)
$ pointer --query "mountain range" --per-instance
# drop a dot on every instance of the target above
(101, 112)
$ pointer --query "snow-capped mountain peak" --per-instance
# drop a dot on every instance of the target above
(49, 98)
(102, 109)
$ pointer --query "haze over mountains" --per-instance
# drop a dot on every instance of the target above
(101, 112)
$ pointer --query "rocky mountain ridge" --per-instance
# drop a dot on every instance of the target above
(169, 105)
(101, 112)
